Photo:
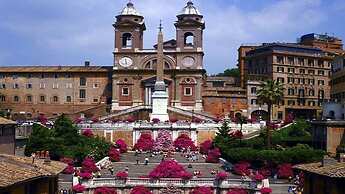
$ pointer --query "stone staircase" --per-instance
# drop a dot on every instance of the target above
(125, 111)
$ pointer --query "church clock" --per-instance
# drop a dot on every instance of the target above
(126, 62)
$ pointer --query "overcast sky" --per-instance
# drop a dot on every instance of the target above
(66, 32)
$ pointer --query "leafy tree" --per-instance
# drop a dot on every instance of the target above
(163, 141)
(223, 137)
(39, 140)
(233, 72)
(270, 93)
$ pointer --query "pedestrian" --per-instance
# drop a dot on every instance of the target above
(146, 161)
(126, 169)
(137, 161)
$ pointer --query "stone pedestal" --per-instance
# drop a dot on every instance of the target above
(160, 103)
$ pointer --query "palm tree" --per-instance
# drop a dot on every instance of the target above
(270, 93)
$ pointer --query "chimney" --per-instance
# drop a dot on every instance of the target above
(87, 63)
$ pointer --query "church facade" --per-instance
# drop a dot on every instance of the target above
(134, 71)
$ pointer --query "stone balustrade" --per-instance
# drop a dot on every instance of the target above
(164, 182)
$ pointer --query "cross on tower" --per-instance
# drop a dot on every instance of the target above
(160, 26)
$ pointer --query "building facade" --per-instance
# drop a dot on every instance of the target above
(7, 136)
(134, 72)
(27, 92)
(304, 71)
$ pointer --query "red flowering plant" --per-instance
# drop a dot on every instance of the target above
(95, 120)
(69, 170)
(144, 143)
(42, 119)
(85, 175)
(258, 177)
(173, 120)
(121, 144)
(221, 176)
(213, 155)
(241, 168)
(105, 190)
(206, 146)
(89, 165)
(78, 188)
(169, 169)
(237, 134)
(202, 190)
(183, 142)
(285, 171)
(87, 133)
(122, 175)
(237, 191)
(155, 120)
(140, 190)
(196, 120)
(265, 190)
(163, 141)
(288, 119)
(78, 120)
(266, 172)
(114, 154)
(130, 119)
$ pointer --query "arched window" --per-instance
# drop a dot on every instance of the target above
(127, 40)
(311, 92)
(16, 98)
(55, 99)
(188, 39)
(153, 64)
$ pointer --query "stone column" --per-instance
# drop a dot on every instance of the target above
(155, 134)
(194, 137)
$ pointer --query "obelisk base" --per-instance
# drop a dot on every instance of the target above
(160, 103)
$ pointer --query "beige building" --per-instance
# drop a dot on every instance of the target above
(304, 71)
(27, 91)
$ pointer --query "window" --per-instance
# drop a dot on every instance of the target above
(280, 69)
(29, 98)
(280, 59)
(2, 98)
(16, 98)
(320, 63)
(29, 75)
(301, 61)
(291, 60)
(68, 99)
(321, 94)
(55, 99)
(291, 102)
(291, 91)
(2, 86)
(302, 71)
(291, 70)
(301, 81)
(82, 94)
(42, 98)
(321, 82)
(301, 92)
(96, 85)
(56, 76)
(311, 81)
(125, 91)
(15, 86)
(253, 90)
(290, 80)
(29, 86)
(127, 40)
(14, 76)
(42, 85)
(310, 62)
(311, 103)
(188, 39)
(68, 85)
(42, 76)
(311, 72)
(188, 91)
(95, 100)
(253, 101)
(321, 72)
(311, 92)
(55, 85)
(82, 81)
(280, 79)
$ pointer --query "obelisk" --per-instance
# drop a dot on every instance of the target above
(160, 95)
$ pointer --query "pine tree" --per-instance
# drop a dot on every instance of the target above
(223, 135)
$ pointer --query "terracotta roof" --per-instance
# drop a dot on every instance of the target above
(16, 169)
(40, 69)
(336, 170)
(4, 121)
